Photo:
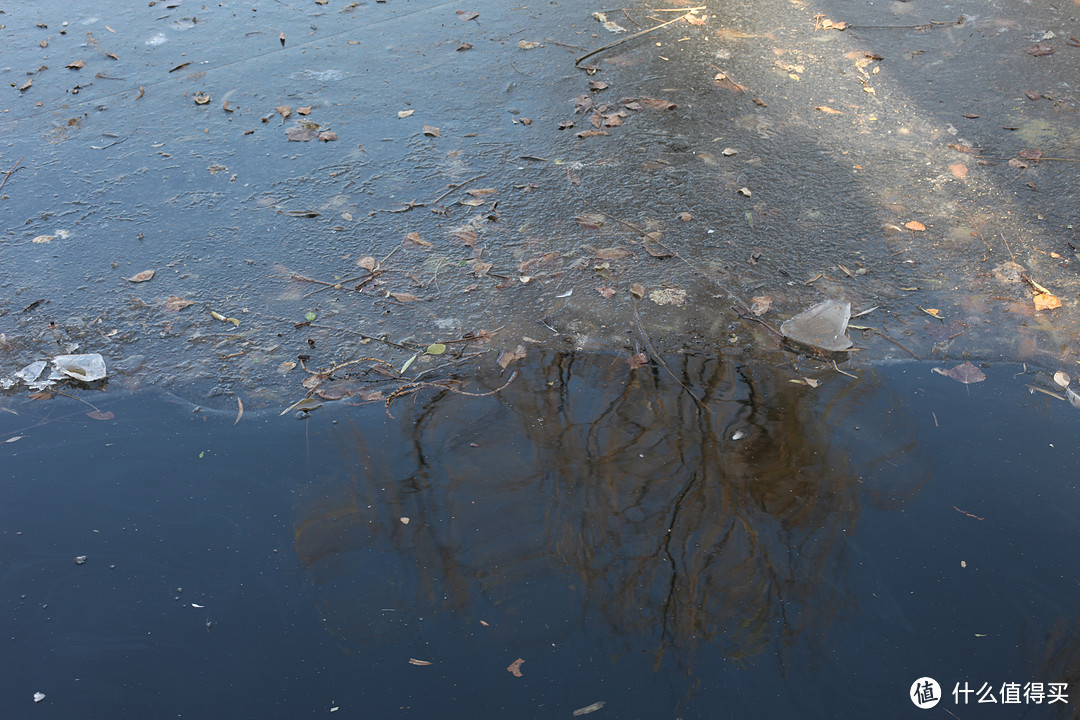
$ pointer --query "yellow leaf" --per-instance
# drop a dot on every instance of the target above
(828, 110)
(1046, 301)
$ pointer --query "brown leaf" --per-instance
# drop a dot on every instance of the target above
(1029, 154)
(685, 216)
(328, 136)
(1046, 301)
(432, 131)
(414, 237)
(403, 297)
(464, 46)
(1032, 95)
(508, 357)
(368, 263)
(592, 133)
(914, 226)
(656, 103)
(612, 254)
(828, 110)
(175, 303)
(481, 192)
(306, 110)
(965, 373)
(26, 85)
(515, 668)
(467, 15)
(638, 360)
(480, 268)
(760, 304)
(657, 251)
(637, 290)
(141, 277)
(959, 170)
(590, 221)
(597, 85)
(284, 111)
(1041, 49)
(969, 116)
(606, 291)
(466, 235)
(98, 415)
(299, 133)
(75, 65)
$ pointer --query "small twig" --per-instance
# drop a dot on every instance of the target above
(837, 369)
(636, 35)
(556, 42)
(8, 173)
(457, 187)
(73, 397)
(932, 23)
(660, 360)
(896, 343)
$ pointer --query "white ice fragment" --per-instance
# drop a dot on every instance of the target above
(39, 696)
(87, 368)
(823, 326)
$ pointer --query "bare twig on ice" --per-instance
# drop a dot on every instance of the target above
(688, 12)
(8, 173)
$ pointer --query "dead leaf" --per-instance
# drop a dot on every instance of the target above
(1046, 301)
(959, 170)
(141, 277)
(612, 254)
(405, 113)
(480, 268)
(281, 37)
(142, 91)
(1041, 49)
(760, 304)
(75, 65)
(98, 415)
(367, 262)
(1029, 154)
(201, 98)
(1062, 379)
(653, 103)
(828, 110)
(471, 202)
(414, 237)
(685, 216)
(284, 111)
(432, 131)
(239, 410)
(638, 360)
(657, 250)
(597, 85)
(515, 668)
(584, 134)
(606, 292)
(637, 290)
(508, 357)
(26, 85)
(464, 46)
(1032, 95)
(933, 312)
(527, 44)
(306, 110)
(328, 136)
(467, 235)
(467, 15)
(966, 373)
(915, 226)
(175, 303)
(403, 297)
(744, 191)
(421, 663)
(299, 133)
(590, 221)
(481, 192)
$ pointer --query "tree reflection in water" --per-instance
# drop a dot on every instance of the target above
(587, 494)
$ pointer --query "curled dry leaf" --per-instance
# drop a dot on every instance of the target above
(606, 291)
(284, 111)
(367, 262)
(760, 304)
(637, 290)
(1062, 379)
(141, 277)
(175, 303)
(467, 15)
(965, 373)
(745, 191)
(328, 136)
(1046, 301)
(403, 297)
(432, 131)
(414, 237)
(306, 110)
(75, 65)
(201, 98)
(915, 226)
(405, 113)
(509, 356)
(637, 360)
(515, 668)
(828, 110)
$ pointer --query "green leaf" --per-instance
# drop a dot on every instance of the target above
(310, 317)
(436, 349)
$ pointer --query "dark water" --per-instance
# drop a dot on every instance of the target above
(593, 521)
